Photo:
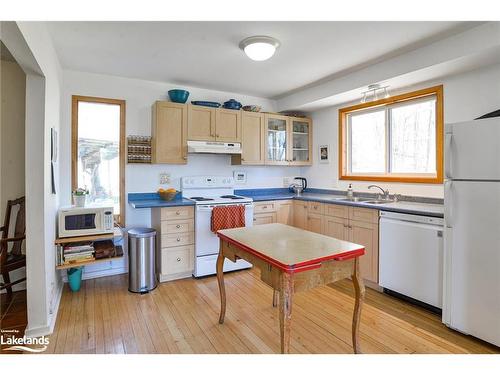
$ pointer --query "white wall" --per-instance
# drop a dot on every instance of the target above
(13, 94)
(139, 96)
(466, 96)
(43, 82)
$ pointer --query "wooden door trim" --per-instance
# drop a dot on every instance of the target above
(75, 99)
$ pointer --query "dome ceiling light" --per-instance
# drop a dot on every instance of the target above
(259, 48)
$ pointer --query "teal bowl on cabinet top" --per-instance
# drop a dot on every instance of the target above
(178, 96)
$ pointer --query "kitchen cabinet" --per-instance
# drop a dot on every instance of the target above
(265, 218)
(227, 125)
(300, 141)
(253, 140)
(284, 212)
(211, 124)
(288, 140)
(315, 223)
(174, 242)
(169, 133)
(336, 227)
(366, 234)
(300, 214)
(201, 123)
(277, 137)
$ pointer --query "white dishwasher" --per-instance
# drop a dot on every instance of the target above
(411, 256)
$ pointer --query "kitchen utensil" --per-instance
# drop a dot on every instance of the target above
(206, 104)
(251, 108)
(301, 182)
(178, 96)
(232, 104)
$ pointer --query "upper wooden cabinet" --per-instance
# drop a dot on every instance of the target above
(300, 141)
(169, 133)
(253, 139)
(201, 123)
(211, 124)
(227, 125)
(288, 140)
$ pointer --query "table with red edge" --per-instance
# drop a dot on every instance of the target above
(292, 260)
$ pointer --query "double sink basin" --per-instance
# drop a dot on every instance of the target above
(365, 200)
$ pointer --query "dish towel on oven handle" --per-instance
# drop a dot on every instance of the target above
(226, 217)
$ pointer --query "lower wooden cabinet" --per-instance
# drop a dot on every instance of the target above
(366, 234)
(336, 227)
(174, 241)
(300, 214)
(284, 212)
(315, 223)
(265, 218)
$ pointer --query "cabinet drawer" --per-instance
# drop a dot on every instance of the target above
(368, 215)
(266, 218)
(177, 259)
(337, 210)
(179, 239)
(315, 208)
(174, 213)
(177, 226)
(264, 207)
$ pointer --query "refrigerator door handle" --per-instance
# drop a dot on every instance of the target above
(448, 212)
(447, 155)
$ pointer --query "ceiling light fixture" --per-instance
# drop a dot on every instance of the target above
(374, 91)
(259, 48)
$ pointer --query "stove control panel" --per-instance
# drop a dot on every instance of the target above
(200, 182)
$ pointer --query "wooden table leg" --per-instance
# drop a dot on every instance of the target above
(222, 289)
(286, 294)
(275, 298)
(359, 289)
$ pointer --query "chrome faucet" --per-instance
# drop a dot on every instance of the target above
(385, 192)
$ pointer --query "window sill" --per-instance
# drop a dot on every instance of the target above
(395, 178)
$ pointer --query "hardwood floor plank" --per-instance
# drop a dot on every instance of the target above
(182, 317)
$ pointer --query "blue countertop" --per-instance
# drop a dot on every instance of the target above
(152, 200)
(416, 206)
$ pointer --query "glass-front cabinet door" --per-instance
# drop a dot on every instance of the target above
(277, 135)
(300, 141)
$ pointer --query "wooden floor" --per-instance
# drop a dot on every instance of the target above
(182, 317)
(13, 316)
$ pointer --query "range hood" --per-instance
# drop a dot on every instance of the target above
(202, 147)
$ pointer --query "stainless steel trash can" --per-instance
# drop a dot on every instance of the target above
(142, 262)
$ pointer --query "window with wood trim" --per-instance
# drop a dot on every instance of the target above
(98, 151)
(397, 139)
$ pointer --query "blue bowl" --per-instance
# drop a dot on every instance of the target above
(178, 96)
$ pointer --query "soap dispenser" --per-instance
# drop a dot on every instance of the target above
(350, 193)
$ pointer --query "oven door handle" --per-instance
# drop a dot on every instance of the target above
(209, 208)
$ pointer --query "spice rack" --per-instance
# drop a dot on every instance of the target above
(139, 149)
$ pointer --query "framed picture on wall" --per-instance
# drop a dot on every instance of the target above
(324, 154)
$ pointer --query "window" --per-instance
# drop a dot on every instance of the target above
(98, 141)
(394, 139)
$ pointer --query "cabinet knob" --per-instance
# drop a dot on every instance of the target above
(185, 157)
(178, 240)
(177, 213)
(177, 226)
(178, 259)
(264, 206)
(217, 135)
(254, 219)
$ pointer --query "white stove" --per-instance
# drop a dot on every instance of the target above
(208, 192)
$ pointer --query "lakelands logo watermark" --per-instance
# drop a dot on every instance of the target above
(25, 344)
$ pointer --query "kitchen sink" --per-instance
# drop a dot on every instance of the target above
(379, 201)
(354, 199)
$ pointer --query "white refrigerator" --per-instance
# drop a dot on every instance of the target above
(471, 294)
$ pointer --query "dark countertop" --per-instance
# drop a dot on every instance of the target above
(152, 200)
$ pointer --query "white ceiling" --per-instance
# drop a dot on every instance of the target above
(206, 54)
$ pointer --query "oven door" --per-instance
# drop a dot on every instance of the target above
(207, 242)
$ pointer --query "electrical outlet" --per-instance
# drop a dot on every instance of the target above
(286, 181)
(164, 178)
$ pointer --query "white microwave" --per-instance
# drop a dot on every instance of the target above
(85, 221)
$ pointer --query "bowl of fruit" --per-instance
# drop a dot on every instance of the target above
(167, 194)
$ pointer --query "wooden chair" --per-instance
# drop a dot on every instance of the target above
(13, 259)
